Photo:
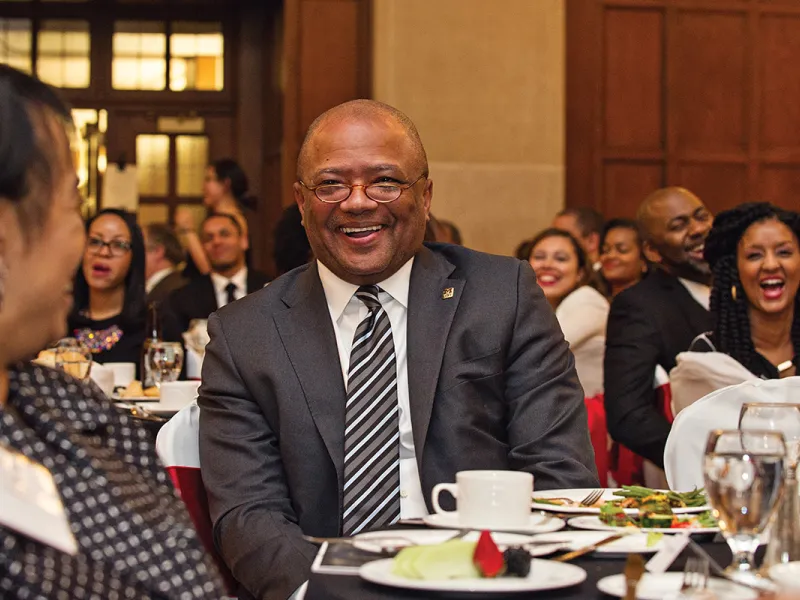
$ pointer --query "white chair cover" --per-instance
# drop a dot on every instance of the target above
(177, 441)
(683, 454)
(697, 374)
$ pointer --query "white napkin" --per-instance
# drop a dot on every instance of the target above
(103, 377)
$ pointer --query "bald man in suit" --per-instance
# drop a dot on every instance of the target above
(337, 397)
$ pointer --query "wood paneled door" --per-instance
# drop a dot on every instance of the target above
(699, 93)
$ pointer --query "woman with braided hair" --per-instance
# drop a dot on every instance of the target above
(754, 254)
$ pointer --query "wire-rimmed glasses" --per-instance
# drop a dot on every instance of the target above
(744, 479)
(382, 192)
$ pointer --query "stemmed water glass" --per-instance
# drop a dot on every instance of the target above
(72, 357)
(165, 360)
(784, 536)
(744, 478)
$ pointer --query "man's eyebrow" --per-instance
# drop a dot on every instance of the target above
(370, 169)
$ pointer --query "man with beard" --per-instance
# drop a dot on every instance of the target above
(651, 322)
(230, 279)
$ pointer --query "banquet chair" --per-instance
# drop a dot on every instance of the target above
(177, 445)
(683, 454)
(598, 432)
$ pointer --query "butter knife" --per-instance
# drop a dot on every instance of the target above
(591, 548)
(634, 569)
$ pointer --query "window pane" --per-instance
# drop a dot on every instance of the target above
(196, 56)
(192, 158)
(152, 164)
(139, 56)
(152, 213)
(199, 211)
(15, 43)
(63, 54)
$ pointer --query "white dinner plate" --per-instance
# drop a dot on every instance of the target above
(577, 495)
(544, 575)
(595, 524)
(155, 409)
(536, 524)
(378, 541)
(659, 587)
(635, 543)
(786, 575)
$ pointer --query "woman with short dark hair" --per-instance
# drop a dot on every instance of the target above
(101, 517)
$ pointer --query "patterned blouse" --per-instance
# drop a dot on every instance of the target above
(135, 539)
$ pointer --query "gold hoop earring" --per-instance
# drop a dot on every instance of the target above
(733, 292)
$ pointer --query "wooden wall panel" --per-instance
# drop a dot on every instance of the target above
(780, 185)
(718, 80)
(328, 58)
(719, 185)
(780, 91)
(707, 62)
(632, 78)
(625, 184)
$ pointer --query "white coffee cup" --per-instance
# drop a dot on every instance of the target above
(124, 372)
(489, 499)
(176, 395)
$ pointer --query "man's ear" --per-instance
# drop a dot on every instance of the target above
(297, 190)
(650, 252)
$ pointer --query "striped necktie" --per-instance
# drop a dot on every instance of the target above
(372, 435)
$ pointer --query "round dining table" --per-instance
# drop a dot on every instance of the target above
(352, 587)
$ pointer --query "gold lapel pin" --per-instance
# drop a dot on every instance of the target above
(447, 293)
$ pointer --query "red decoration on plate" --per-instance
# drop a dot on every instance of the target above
(487, 556)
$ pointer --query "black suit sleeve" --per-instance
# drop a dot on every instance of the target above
(631, 358)
(547, 421)
(255, 527)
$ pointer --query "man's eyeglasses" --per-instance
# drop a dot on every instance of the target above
(115, 247)
(334, 193)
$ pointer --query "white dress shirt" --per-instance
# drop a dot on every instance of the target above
(347, 312)
(700, 292)
(220, 283)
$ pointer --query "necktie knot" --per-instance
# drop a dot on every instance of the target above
(231, 291)
(368, 294)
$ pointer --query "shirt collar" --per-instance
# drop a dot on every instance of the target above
(156, 278)
(239, 280)
(338, 292)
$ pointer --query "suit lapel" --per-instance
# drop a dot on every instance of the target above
(432, 302)
(696, 315)
(308, 337)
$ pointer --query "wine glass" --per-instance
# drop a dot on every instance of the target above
(72, 357)
(165, 360)
(784, 534)
(744, 479)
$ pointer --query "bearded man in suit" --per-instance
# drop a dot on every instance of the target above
(653, 321)
(337, 397)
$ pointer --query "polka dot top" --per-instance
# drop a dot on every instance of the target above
(134, 536)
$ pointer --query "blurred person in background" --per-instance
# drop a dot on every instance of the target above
(225, 191)
(565, 275)
(162, 264)
(621, 255)
(98, 516)
(586, 225)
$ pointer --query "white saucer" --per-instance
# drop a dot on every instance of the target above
(536, 524)
(786, 575)
(666, 585)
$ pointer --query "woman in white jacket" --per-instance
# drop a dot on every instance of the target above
(565, 275)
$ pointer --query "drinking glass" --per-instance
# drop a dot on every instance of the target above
(784, 534)
(73, 357)
(165, 360)
(744, 479)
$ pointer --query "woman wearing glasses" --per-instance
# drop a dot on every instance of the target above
(96, 515)
(109, 310)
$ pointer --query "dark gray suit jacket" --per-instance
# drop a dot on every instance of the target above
(492, 386)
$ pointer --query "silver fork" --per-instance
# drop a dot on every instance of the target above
(695, 576)
(591, 497)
